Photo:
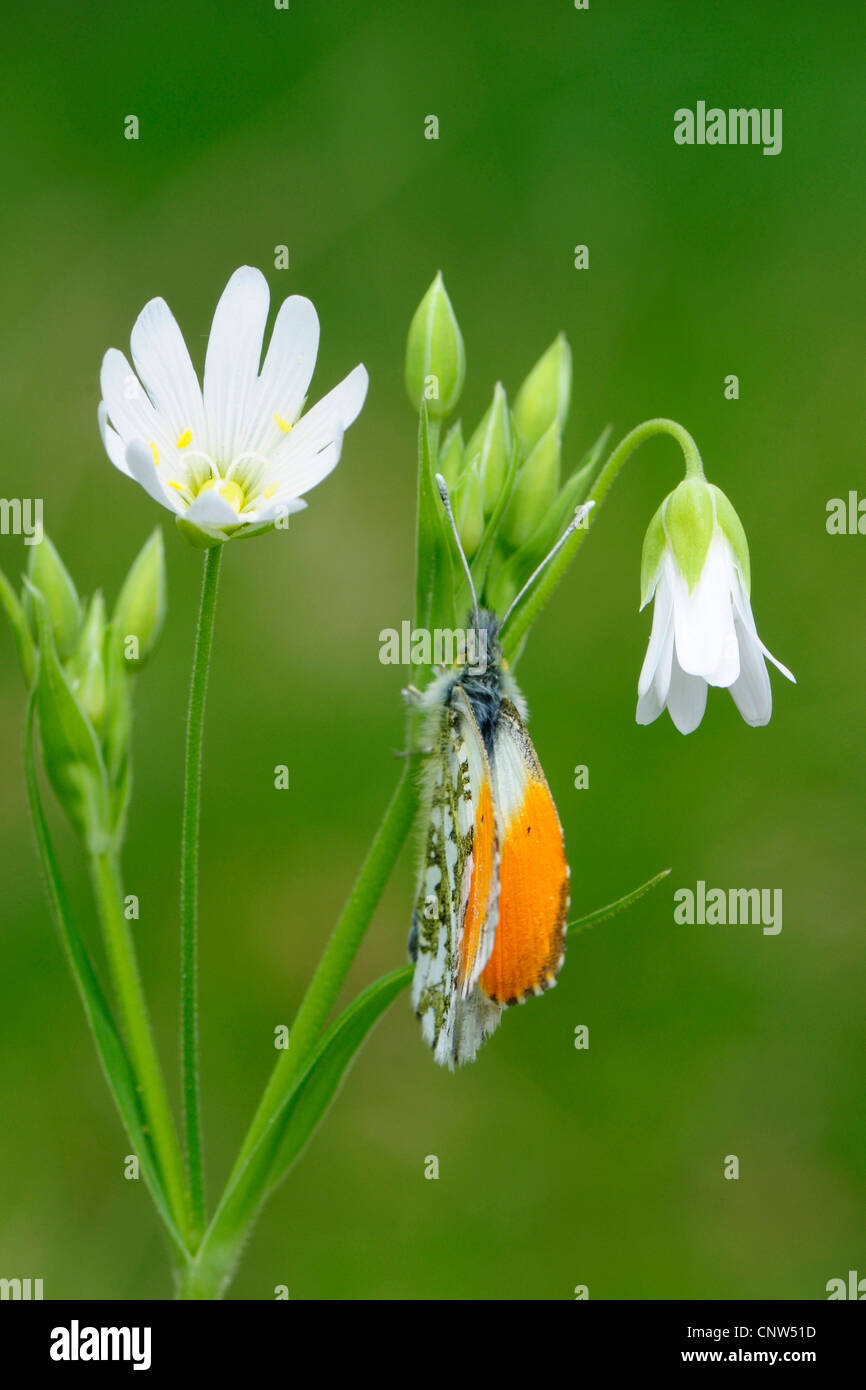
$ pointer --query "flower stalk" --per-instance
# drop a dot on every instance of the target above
(189, 888)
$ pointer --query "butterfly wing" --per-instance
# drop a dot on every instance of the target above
(454, 921)
(529, 945)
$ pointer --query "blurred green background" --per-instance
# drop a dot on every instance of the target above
(305, 127)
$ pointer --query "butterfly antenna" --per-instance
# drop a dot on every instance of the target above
(580, 515)
(446, 503)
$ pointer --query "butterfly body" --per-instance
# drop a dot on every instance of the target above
(488, 928)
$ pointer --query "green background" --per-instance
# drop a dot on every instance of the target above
(305, 127)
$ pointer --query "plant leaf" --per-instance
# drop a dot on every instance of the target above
(312, 1096)
(318, 1086)
(109, 1045)
(20, 630)
(601, 914)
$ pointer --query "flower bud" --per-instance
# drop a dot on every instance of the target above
(451, 456)
(48, 574)
(85, 670)
(71, 753)
(469, 510)
(140, 610)
(435, 357)
(535, 490)
(545, 394)
(492, 445)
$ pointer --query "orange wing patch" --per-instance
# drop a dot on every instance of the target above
(479, 887)
(533, 901)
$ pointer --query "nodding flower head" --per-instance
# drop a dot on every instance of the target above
(696, 570)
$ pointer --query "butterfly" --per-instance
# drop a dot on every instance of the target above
(488, 928)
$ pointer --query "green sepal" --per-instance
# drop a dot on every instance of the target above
(85, 669)
(536, 488)
(200, 539)
(468, 502)
(654, 543)
(732, 529)
(140, 608)
(689, 518)
(492, 443)
(47, 573)
(545, 394)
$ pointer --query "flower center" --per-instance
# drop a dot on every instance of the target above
(227, 488)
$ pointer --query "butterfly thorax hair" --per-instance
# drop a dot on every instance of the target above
(483, 677)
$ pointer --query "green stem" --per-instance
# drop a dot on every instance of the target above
(108, 891)
(189, 1060)
(109, 1046)
(525, 615)
(339, 953)
(214, 1262)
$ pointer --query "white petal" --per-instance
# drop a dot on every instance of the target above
(232, 363)
(704, 620)
(129, 407)
(141, 467)
(111, 440)
(212, 512)
(308, 453)
(687, 699)
(286, 374)
(744, 610)
(662, 615)
(751, 692)
(163, 363)
(270, 511)
(649, 707)
(662, 682)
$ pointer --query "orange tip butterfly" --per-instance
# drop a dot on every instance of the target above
(488, 929)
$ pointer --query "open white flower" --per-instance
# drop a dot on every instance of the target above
(696, 568)
(237, 457)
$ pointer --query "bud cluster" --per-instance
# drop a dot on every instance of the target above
(79, 662)
(509, 497)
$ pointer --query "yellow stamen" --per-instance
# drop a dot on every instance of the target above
(155, 452)
(185, 439)
(282, 424)
(178, 487)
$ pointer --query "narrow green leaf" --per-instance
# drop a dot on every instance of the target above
(601, 914)
(20, 630)
(109, 1045)
(317, 1088)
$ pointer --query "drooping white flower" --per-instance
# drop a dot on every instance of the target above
(236, 457)
(696, 568)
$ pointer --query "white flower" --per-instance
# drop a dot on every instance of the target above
(237, 457)
(703, 631)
